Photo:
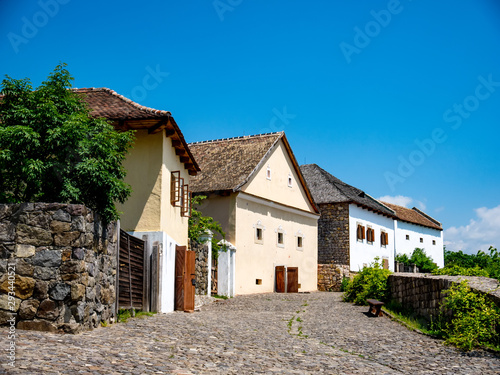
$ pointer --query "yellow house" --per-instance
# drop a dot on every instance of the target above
(256, 191)
(158, 169)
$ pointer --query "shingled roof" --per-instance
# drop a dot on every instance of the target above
(228, 164)
(327, 188)
(126, 114)
(415, 216)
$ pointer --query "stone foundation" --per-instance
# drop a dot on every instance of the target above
(330, 277)
(58, 265)
(423, 293)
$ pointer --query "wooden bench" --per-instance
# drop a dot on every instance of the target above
(375, 307)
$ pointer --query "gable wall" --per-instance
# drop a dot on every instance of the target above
(277, 189)
(416, 232)
(141, 212)
(362, 252)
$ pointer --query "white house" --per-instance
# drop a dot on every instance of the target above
(256, 191)
(354, 228)
(158, 166)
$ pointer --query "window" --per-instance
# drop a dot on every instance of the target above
(370, 235)
(299, 242)
(290, 180)
(433, 242)
(407, 236)
(268, 172)
(384, 239)
(360, 233)
(421, 240)
(280, 238)
(259, 233)
(180, 196)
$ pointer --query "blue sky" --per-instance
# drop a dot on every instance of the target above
(398, 98)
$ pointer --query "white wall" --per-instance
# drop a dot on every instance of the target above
(361, 252)
(416, 232)
(167, 266)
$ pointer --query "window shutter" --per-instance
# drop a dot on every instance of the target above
(386, 235)
(363, 232)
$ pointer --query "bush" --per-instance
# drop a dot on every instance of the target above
(424, 262)
(488, 262)
(455, 270)
(402, 258)
(370, 282)
(474, 321)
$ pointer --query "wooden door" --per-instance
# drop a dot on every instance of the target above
(131, 272)
(184, 278)
(292, 280)
(280, 279)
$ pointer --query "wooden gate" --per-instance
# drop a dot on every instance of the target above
(292, 280)
(280, 279)
(131, 273)
(214, 277)
(184, 278)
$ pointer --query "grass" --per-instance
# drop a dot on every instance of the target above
(125, 314)
(220, 297)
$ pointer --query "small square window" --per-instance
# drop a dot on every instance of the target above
(407, 236)
(433, 242)
(290, 180)
(421, 240)
(280, 238)
(268, 173)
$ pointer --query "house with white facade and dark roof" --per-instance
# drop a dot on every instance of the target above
(256, 191)
(354, 227)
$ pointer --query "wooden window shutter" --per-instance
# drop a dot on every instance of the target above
(186, 201)
(386, 238)
(363, 232)
(175, 188)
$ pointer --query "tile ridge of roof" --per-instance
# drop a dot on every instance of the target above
(236, 138)
(385, 205)
(427, 216)
(380, 203)
(124, 98)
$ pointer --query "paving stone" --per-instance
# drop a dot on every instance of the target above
(312, 333)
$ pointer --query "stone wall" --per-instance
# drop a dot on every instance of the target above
(423, 293)
(60, 264)
(330, 277)
(333, 234)
(201, 265)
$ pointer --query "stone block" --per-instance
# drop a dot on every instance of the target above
(78, 253)
(66, 238)
(4, 302)
(48, 309)
(47, 258)
(60, 226)
(33, 235)
(78, 224)
(77, 292)
(28, 309)
(37, 325)
(73, 266)
(24, 251)
(23, 268)
(66, 254)
(61, 215)
(45, 273)
(41, 289)
(7, 232)
(23, 286)
(59, 291)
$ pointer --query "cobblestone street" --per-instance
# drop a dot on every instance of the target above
(263, 334)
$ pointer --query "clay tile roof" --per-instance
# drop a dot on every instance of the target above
(109, 104)
(326, 188)
(227, 164)
(415, 216)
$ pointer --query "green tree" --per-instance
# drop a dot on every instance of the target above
(52, 150)
(199, 225)
(423, 261)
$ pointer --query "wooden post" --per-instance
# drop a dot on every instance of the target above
(146, 276)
